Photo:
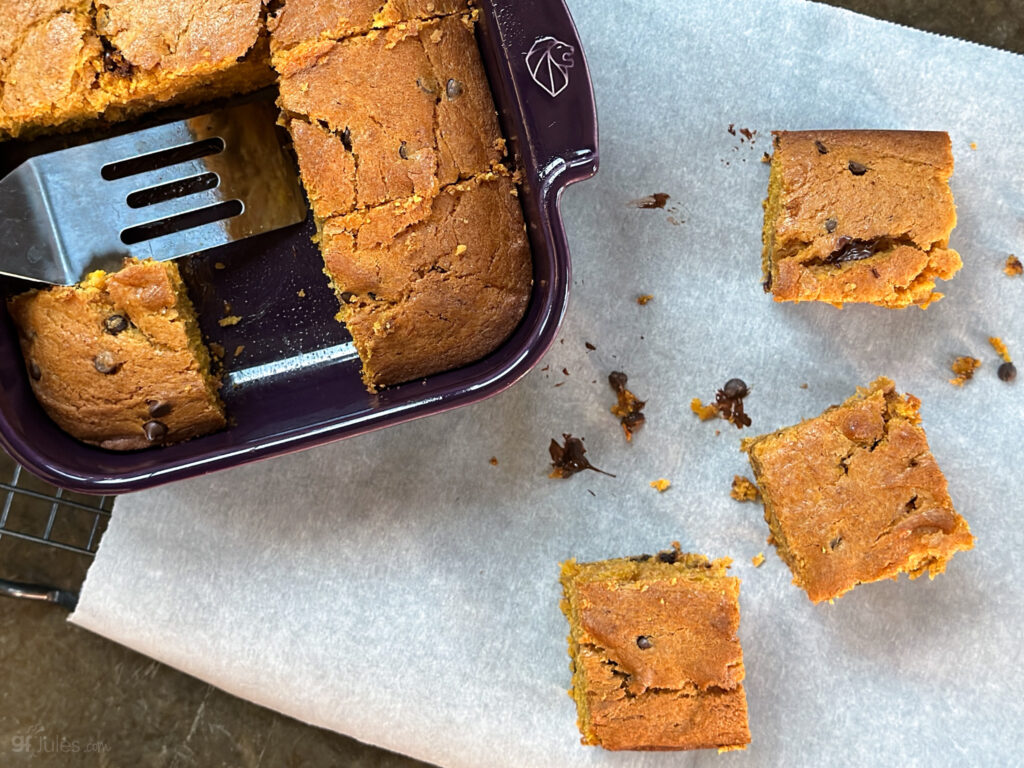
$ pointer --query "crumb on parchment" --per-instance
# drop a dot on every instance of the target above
(661, 484)
(964, 368)
(744, 489)
(757, 560)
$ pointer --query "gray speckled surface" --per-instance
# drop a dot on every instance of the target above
(59, 682)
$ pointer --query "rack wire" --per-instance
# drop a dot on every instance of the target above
(47, 516)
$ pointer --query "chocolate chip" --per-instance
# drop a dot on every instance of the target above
(618, 380)
(830, 225)
(767, 284)
(155, 431)
(428, 85)
(1007, 372)
(403, 151)
(668, 556)
(857, 169)
(822, 149)
(105, 363)
(835, 542)
(735, 389)
(115, 324)
(33, 371)
(158, 408)
(644, 642)
(114, 61)
(453, 89)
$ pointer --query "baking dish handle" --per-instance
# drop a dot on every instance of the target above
(549, 80)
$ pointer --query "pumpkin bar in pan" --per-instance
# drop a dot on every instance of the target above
(118, 361)
(419, 221)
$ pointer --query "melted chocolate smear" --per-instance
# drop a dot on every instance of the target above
(651, 202)
(629, 408)
(114, 61)
(729, 402)
(570, 458)
(853, 249)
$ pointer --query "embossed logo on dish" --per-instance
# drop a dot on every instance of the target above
(549, 61)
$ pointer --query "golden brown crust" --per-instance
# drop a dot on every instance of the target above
(304, 21)
(119, 353)
(656, 660)
(859, 216)
(432, 285)
(385, 97)
(63, 63)
(855, 495)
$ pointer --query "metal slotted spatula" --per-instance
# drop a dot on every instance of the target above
(158, 193)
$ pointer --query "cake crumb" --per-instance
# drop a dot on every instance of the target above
(494, 461)
(964, 368)
(974, 145)
(238, 349)
(1013, 266)
(629, 407)
(757, 560)
(661, 484)
(301, 293)
(1000, 347)
(216, 349)
(705, 412)
(728, 404)
(229, 320)
(744, 489)
(570, 458)
(804, 385)
(218, 265)
(644, 299)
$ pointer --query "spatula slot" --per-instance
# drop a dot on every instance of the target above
(182, 221)
(165, 157)
(172, 190)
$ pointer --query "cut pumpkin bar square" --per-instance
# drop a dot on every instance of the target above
(655, 657)
(855, 495)
(860, 217)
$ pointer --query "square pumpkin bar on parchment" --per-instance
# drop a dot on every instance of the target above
(656, 660)
(854, 495)
(859, 216)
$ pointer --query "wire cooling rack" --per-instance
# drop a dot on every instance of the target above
(33, 511)
(36, 512)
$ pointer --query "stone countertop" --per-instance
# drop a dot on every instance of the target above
(118, 708)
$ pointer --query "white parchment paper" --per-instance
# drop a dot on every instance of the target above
(399, 588)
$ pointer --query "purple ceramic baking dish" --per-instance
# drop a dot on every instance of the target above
(296, 383)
